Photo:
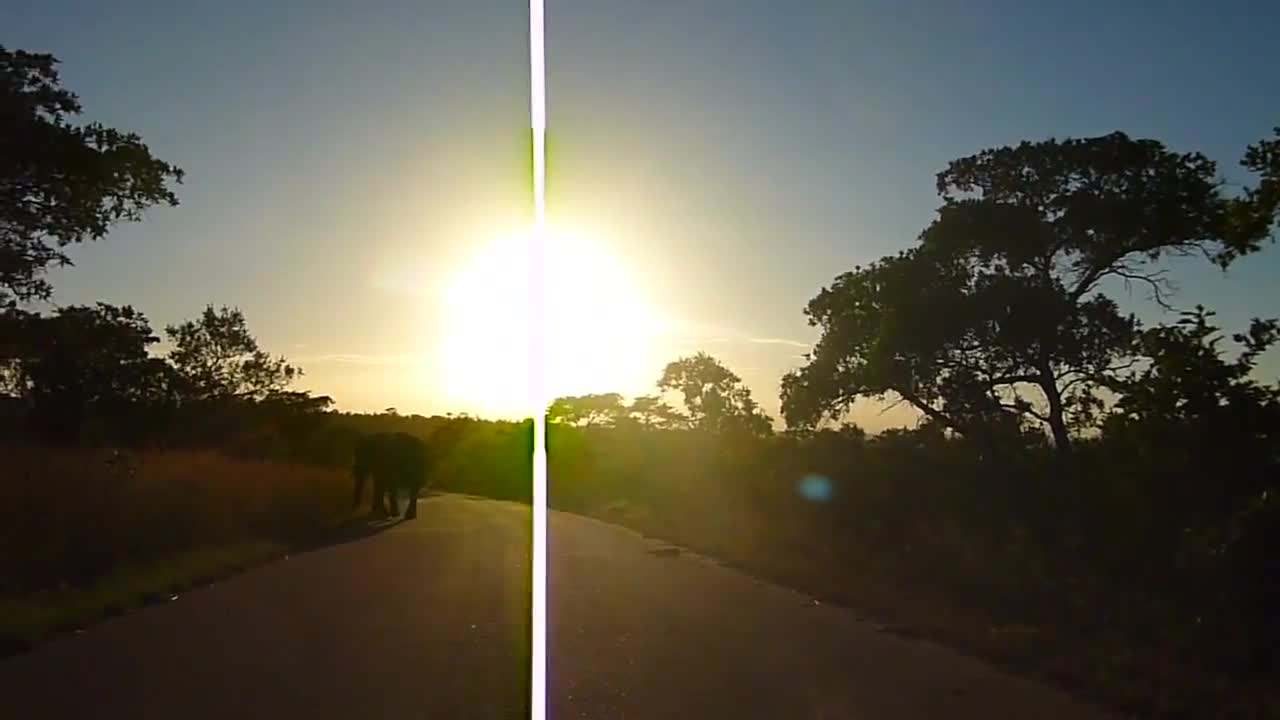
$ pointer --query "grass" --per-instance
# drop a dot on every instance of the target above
(26, 620)
(86, 534)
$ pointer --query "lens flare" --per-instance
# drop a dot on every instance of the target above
(815, 487)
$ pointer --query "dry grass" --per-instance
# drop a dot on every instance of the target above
(83, 532)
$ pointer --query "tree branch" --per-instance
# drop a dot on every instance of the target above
(1015, 379)
(1159, 286)
(929, 410)
(1025, 409)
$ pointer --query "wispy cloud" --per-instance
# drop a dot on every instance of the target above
(779, 341)
(695, 333)
(359, 359)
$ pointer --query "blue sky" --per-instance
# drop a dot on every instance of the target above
(738, 155)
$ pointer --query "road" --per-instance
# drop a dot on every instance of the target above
(428, 620)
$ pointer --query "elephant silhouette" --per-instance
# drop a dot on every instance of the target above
(395, 462)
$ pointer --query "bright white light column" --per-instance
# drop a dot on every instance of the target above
(537, 361)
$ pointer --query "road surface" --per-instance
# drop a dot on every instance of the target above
(428, 620)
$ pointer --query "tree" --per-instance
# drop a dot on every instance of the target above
(85, 361)
(219, 359)
(601, 410)
(1192, 406)
(715, 399)
(60, 183)
(999, 308)
(1187, 379)
(1252, 215)
(650, 411)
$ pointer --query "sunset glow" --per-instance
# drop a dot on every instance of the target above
(599, 327)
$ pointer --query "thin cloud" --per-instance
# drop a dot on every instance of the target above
(779, 341)
(692, 333)
(359, 359)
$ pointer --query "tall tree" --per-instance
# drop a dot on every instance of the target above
(715, 398)
(1000, 306)
(218, 359)
(61, 183)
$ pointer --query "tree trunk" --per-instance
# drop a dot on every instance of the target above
(1057, 423)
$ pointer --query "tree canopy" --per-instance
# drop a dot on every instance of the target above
(715, 398)
(218, 358)
(602, 409)
(61, 183)
(83, 361)
(999, 309)
(651, 411)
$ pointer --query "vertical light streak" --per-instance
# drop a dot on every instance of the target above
(537, 365)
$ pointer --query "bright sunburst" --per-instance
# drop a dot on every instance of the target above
(598, 327)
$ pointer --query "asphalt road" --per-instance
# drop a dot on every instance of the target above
(428, 619)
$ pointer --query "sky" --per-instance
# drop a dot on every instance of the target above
(356, 173)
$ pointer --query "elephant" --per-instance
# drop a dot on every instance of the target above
(395, 461)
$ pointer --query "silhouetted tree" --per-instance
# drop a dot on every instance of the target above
(219, 359)
(715, 399)
(999, 308)
(1189, 408)
(61, 183)
(651, 411)
(87, 361)
(599, 410)
(1252, 215)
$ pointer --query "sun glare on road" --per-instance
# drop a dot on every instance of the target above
(599, 327)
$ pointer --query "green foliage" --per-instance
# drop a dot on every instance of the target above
(61, 183)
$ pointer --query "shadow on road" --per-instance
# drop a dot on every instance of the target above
(353, 530)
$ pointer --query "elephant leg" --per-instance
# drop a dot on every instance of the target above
(392, 503)
(379, 497)
(412, 511)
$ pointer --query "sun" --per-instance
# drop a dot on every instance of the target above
(597, 331)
